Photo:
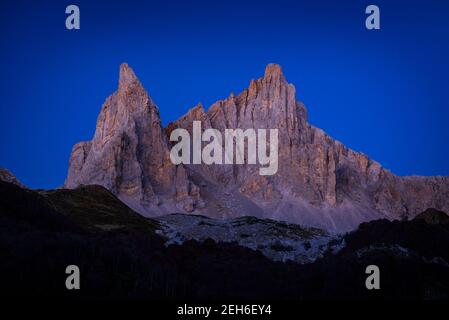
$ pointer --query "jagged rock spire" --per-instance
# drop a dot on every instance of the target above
(274, 71)
(127, 77)
(129, 154)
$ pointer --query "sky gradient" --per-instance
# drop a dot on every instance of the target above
(384, 93)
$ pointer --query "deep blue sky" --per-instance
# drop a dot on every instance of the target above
(384, 93)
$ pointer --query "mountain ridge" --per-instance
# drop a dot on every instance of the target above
(320, 182)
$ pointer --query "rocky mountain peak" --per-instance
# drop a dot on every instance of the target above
(273, 71)
(127, 77)
(129, 154)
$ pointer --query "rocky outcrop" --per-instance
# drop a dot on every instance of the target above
(433, 216)
(7, 176)
(276, 240)
(319, 181)
(129, 154)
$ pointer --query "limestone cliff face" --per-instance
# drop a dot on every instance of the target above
(129, 154)
(319, 181)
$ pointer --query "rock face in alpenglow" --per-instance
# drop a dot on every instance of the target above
(319, 181)
(129, 154)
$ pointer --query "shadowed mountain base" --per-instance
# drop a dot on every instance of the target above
(120, 255)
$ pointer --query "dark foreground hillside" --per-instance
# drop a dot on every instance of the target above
(120, 255)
